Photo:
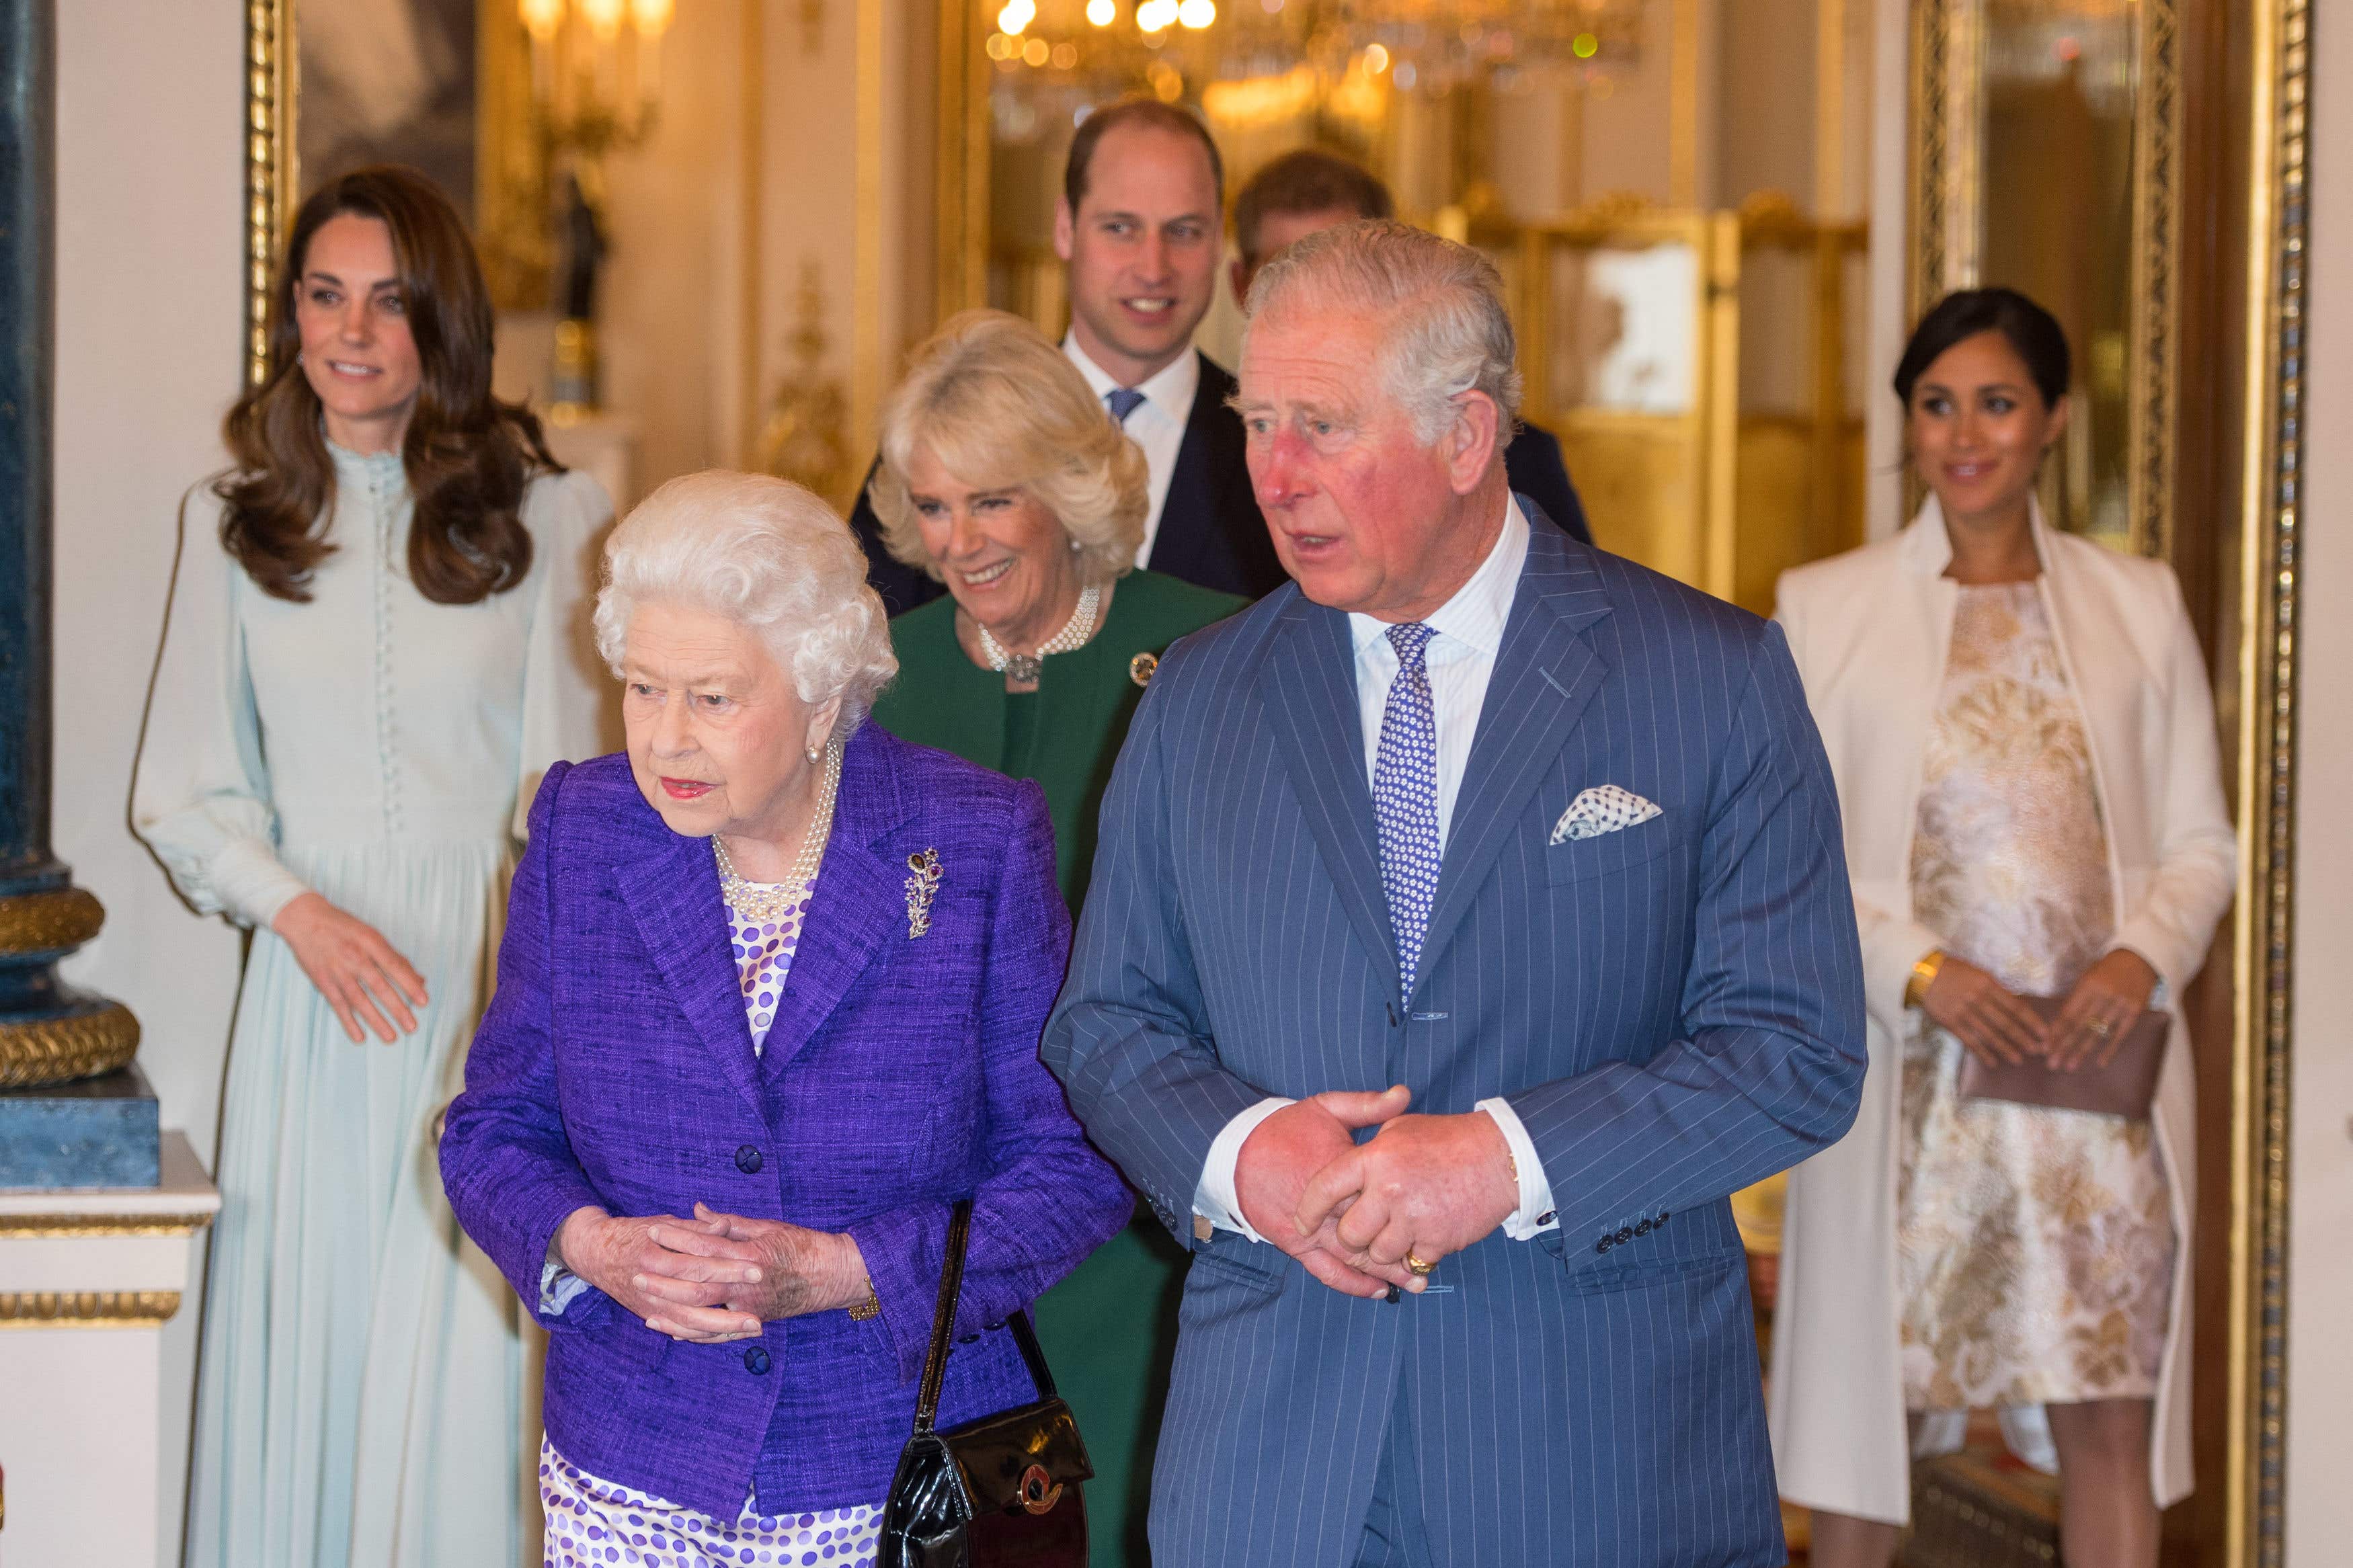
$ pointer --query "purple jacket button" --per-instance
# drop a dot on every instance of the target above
(756, 1362)
(747, 1160)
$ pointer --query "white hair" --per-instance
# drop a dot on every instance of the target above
(1448, 331)
(768, 555)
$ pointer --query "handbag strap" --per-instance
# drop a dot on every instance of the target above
(935, 1362)
(944, 1315)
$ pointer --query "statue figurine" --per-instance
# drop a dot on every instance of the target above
(583, 252)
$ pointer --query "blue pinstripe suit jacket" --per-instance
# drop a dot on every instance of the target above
(1675, 1010)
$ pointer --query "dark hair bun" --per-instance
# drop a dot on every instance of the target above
(2029, 329)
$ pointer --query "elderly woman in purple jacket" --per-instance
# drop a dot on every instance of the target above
(768, 1004)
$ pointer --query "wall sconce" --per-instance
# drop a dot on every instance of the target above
(595, 71)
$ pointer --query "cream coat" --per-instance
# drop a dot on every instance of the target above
(1869, 630)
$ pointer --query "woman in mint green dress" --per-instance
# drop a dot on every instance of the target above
(1003, 476)
(377, 640)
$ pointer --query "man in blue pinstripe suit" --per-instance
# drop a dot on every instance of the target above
(1470, 920)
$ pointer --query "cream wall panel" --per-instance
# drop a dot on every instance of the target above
(149, 310)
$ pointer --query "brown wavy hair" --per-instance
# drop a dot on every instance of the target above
(469, 455)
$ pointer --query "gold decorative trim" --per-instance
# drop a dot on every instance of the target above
(2264, 945)
(57, 921)
(59, 1050)
(87, 1308)
(1947, 71)
(962, 150)
(269, 172)
(2157, 252)
(84, 1226)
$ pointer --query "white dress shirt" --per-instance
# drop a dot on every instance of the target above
(1157, 425)
(1461, 657)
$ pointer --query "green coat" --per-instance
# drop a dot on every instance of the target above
(1067, 733)
(1110, 1330)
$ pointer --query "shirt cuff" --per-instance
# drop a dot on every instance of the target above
(252, 883)
(1215, 1199)
(1535, 1215)
(558, 1285)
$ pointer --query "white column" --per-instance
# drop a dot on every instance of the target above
(87, 1281)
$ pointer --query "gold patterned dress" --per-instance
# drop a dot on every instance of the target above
(2034, 1247)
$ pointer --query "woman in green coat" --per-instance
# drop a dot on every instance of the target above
(1004, 478)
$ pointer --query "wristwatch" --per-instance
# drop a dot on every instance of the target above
(1924, 974)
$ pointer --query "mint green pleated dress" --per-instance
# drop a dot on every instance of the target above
(1109, 1331)
(363, 1393)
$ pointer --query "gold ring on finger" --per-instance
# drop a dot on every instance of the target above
(2102, 1028)
(1417, 1266)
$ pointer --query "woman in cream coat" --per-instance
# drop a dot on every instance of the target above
(1863, 1326)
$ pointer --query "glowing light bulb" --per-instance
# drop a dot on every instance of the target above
(1017, 15)
(604, 17)
(652, 16)
(541, 18)
(1197, 13)
(1102, 13)
(1585, 46)
(1036, 52)
(1376, 60)
(1155, 15)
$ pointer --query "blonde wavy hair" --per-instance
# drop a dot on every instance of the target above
(993, 400)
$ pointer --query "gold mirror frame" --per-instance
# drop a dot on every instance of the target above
(1946, 204)
(1948, 226)
(2265, 938)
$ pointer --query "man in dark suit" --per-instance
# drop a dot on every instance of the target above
(1302, 192)
(1139, 227)
(1526, 860)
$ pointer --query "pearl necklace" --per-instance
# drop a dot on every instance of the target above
(1025, 667)
(764, 903)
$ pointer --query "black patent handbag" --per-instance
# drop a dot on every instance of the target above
(1000, 1492)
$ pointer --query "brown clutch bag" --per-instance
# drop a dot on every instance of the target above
(2126, 1087)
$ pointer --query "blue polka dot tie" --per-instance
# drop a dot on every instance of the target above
(1124, 401)
(1405, 798)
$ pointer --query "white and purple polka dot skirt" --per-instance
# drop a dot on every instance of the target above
(592, 1524)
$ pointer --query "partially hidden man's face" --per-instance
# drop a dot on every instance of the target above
(1278, 232)
(1142, 249)
(1362, 511)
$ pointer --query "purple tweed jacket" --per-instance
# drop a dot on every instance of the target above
(615, 1067)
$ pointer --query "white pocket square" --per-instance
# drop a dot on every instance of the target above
(1605, 808)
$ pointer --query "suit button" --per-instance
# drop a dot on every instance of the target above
(1625, 1234)
(756, 1362)
(747, 1160)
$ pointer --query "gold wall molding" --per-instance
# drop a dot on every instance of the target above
(87, 1308)
(87, 1226)
(2264, 945)
(54, 920)
(270, 174)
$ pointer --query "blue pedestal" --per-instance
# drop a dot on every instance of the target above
(100, 1132)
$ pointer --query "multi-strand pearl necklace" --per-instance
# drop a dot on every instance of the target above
(765, 903)
(1025, 667)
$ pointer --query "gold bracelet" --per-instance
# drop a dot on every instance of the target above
(869, 1307)
(1924, 974)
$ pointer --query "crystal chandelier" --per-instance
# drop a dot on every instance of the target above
(1095, 48)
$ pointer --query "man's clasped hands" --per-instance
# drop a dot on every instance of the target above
(1422, 1187)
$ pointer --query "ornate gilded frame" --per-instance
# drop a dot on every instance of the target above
(1946, 200)
(2278, 229)
(269, 90)
(1948, 227)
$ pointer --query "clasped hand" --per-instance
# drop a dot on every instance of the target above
(714, 1278)
(1999, 1028)
(1425, 1185)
